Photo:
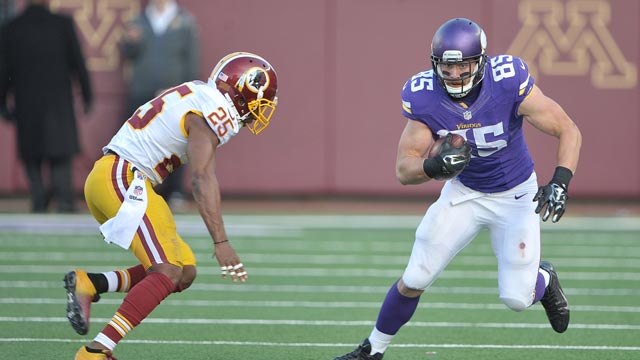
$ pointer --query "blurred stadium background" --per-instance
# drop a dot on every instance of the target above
(341, 66)
(330, 153)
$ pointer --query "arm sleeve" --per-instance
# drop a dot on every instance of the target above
(525, 80)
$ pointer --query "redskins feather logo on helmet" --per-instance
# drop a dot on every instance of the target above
(250, 82)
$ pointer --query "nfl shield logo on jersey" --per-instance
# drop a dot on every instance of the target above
(467, 115)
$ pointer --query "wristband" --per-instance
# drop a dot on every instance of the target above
(432, 167)
(220, 242)
(562, 176)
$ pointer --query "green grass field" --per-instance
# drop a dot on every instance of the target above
(316, 284)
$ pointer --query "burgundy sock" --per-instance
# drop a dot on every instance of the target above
(396, 311)
(136, 274)
(138, 304)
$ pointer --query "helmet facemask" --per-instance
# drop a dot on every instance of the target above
(471, 76)
(260, 113)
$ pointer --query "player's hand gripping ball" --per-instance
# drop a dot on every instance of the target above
(451, 139)
(452, 154)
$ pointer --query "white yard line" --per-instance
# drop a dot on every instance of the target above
(284, 344)
(284, 224)
(339, 289)
(287, 322)
(308, 272)
(320, 304)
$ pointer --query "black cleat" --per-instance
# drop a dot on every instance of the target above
(80, 294)
(554, 301)
(361, 353)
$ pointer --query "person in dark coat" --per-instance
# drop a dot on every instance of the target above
(40, 58)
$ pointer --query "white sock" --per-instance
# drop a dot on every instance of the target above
(546, 276)
(112, 280)
(379, 341)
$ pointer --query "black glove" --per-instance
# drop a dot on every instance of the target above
(449, 162)
(553, 196)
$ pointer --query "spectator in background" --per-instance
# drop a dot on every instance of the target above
(6, 10)
(40, 57)
(161, 49)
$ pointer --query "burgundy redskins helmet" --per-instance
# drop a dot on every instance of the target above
(250, 83)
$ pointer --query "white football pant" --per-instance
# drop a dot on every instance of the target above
(456, 218)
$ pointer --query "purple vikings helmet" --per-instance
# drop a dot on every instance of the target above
(459, 41)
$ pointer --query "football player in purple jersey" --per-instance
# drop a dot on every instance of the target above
(490, 180)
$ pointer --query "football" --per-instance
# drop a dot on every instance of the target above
(455, 141)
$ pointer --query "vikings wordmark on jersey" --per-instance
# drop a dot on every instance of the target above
(490, 123)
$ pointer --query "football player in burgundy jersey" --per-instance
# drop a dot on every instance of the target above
(490, 180)
(186, 123)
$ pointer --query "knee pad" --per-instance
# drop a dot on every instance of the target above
(514, 304)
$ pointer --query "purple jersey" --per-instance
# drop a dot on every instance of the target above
(500, 158)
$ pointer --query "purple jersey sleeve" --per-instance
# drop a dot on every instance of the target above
(490, 123)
